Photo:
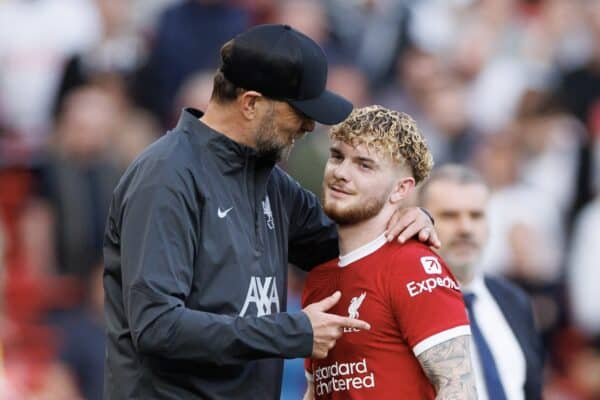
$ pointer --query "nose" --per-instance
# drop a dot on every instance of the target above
(465, 224)
(341, 170)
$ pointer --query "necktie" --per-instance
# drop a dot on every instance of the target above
(493, 384)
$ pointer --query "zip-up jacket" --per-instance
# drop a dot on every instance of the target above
(198, 238)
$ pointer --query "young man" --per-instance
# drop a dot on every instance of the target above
(202, 226)
(418, 344)
(506, 347)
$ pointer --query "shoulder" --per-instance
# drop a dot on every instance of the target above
(418, 269)
(166, 165)
(414, 256)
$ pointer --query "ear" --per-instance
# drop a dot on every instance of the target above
(402, 189)
(248, 103)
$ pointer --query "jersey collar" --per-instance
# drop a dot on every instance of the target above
(362, 251)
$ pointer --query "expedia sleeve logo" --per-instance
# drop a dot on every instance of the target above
(431, 265)
(428, 285)
(262, 296)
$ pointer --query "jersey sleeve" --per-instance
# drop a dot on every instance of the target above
(426, 299)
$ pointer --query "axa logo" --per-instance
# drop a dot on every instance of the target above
(262, 296)
(431, 265)
(266, 205)
(353, 313)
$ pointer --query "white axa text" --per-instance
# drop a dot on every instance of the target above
(262, 292)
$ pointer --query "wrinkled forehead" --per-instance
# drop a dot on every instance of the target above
(451, 194)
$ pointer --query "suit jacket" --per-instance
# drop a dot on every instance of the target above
(516, 307)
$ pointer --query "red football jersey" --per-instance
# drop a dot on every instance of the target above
(412, 302)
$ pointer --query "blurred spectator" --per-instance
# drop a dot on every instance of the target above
(36, 37)
(580, 94)
(195, 92)
(79, 176)
(549, 141)
(583, 275)
(82, 340)
(136, 132)
(310, 17)
(111, 60)
(188, 38)
(371, 32)
(512, 218)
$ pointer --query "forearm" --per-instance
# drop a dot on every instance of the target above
(187, 334)
(448, 367)
(310, 391)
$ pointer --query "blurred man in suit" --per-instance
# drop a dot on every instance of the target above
(506, 348)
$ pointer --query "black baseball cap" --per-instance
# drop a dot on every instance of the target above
(284, 64)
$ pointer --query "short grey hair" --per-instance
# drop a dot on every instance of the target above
(454, 173)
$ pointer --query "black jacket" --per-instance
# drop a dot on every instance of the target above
(199, 235)
(516, 307)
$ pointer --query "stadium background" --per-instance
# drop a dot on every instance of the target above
(510, 87)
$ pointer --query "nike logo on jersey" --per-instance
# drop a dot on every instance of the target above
(223, 214)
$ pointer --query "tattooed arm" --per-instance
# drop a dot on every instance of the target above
(448, 367)
(310, 392)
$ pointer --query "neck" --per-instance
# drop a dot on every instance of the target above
(351, 237)
(225, 119)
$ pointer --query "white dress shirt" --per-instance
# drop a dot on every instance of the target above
(503, 344)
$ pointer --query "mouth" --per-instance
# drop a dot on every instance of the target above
(465, 246)
(339, 191)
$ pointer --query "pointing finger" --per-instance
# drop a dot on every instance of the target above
(328, 302)
(353, 323)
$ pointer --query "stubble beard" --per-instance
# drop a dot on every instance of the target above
(268, 143)
(462, 268)
(354, 214)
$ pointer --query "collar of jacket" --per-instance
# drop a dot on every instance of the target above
(232, 156)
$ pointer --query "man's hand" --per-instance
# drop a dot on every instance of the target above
(327, 328)
(411, 221)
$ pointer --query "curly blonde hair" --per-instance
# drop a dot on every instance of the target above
(393, 133)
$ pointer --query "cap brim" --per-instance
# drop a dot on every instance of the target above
(329, 108)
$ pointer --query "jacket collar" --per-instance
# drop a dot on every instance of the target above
(232, 156)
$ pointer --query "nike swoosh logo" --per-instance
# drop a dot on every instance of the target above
(223, 214)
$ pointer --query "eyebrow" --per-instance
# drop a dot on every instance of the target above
(335, 150)
(365, 159)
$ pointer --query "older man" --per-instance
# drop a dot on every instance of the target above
(506, 349)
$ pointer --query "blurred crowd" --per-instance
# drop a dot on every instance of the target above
(510, 87)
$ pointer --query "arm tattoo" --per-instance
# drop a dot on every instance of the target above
(448, 367)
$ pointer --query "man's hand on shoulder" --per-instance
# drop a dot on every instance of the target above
(412, 221)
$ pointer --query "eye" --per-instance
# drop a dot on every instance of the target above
(335, 156)
(366, 166)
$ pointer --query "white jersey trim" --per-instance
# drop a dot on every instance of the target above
(441, 337)
(362, 251)
(309, 376)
